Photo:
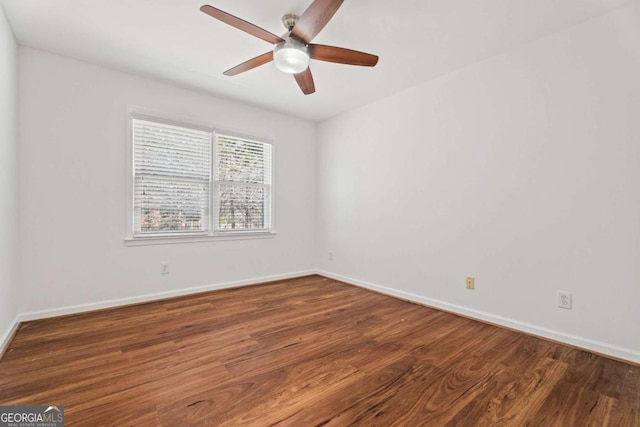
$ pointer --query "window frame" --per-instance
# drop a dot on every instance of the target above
(211, 234)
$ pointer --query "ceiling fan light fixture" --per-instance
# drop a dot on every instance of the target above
(291, 57)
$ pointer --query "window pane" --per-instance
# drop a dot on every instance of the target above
(172, 151)
(242, 207)
(171, 205)
(239, 160)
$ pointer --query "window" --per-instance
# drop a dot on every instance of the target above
(243, 184)
(191, 181)
(172, 167)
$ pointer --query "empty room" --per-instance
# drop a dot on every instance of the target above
(320, 213)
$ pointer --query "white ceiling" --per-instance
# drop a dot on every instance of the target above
(417, 40)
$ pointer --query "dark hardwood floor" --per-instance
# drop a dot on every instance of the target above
(307, 352)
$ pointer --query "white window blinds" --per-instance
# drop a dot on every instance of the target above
(243, 184)
(172, 175)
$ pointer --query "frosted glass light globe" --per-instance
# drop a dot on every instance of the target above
(291, 57)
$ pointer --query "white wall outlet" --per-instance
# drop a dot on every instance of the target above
(164, 268)
(564, 300)
(330, 256)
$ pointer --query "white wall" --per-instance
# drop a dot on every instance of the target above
(522, 170)
(8, 177)
(72, 125)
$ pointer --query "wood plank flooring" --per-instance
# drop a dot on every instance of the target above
(307, 352)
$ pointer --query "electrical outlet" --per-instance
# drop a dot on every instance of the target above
(564, 300)
(471, 283)
(164, 268)
(330, 256)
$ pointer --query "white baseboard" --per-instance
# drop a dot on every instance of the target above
(42, 314)
(8, 335)
(585, 343)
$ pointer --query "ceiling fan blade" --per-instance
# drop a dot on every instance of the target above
(250, 64)
(314, 19)
(241, 24)
(341, 55)
(305, 81)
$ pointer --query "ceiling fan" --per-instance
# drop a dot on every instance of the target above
(294, 49)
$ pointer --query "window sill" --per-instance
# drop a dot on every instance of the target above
(170, 240)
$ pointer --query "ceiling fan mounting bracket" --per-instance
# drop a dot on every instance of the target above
(289, 21)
